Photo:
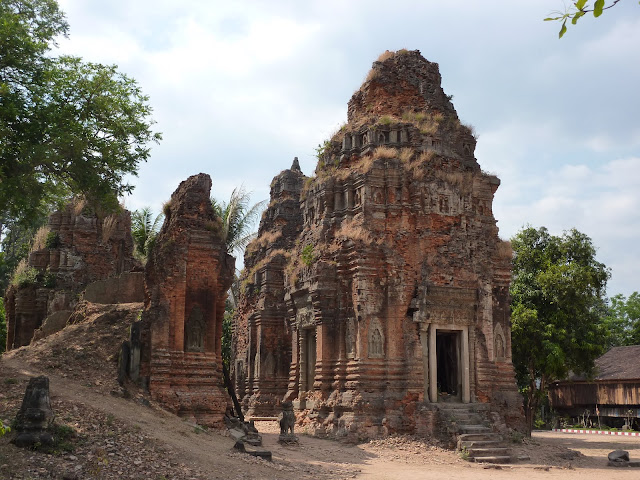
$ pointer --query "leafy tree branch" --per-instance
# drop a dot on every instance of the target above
(577, 10)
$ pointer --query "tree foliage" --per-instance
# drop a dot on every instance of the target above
(238, 219)
(144, 230)
(3, 326)
(576, 10)
(16, 238)
(558, 309)
(623, 320)
(67, 126)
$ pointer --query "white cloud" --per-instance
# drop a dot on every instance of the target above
(239, 88)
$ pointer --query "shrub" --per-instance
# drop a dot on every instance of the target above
(49, 279)
(24, 275)
(406, 154)
(385, 152)
(40, 238)
(308, 257)
(166, 208)
(52, 240)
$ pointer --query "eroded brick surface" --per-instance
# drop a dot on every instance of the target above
(86, 248)
(186, 282)
(262, 339)
(396, 284)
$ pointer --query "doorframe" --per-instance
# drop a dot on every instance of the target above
(430, 360)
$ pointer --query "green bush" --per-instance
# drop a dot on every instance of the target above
(3, 327)
(49, 279)
(52, 240)
(307, 255)
(25, 277)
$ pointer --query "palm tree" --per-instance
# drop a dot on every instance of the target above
(144, 229)
(238, 221)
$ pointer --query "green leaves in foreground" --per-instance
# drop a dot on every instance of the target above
(576, 11)
(68, 127)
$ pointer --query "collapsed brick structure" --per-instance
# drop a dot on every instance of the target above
(176, 347)
(396, 283)
(80, 248)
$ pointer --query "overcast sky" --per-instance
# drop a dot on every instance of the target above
(240, 88)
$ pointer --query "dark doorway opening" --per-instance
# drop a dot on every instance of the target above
(310, 358)
(448, 362)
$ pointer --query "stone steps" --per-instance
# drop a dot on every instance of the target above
(474, 429)
(488, 452)
(491, 459)
(475, 438)
(478, 444)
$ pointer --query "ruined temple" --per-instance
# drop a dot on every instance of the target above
(263, 340)
(380, 285)
(175, 348)
(75, 248)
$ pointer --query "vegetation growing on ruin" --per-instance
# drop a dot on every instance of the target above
(504, 250)
(308, 255)
(263, 241)
(354, 231)
(384, 152)
(461, 179)
(24, 275)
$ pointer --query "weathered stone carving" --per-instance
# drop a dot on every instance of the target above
(287, 424)
(287, 419)
(262, 338)
(179, 335)
(35, 415)
(394, 281)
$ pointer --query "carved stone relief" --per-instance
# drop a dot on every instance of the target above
(376, 340)
(499, 343)
(194, 331)
(350, 338)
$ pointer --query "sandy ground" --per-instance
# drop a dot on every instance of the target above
(122, 436)
(181, 452)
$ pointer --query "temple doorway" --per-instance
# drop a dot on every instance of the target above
(448, 366)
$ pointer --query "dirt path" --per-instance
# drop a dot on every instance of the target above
(150, 443)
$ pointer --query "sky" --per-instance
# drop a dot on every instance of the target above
(240, 88)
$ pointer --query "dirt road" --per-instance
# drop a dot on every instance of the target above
(123, 438)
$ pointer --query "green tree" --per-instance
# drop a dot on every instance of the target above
(623, 320)
(557, 310)
(16, 240)
(238, 219)
(67, 126)
(577, 10)
(144, 229)
(3, 326)
(227, 325)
